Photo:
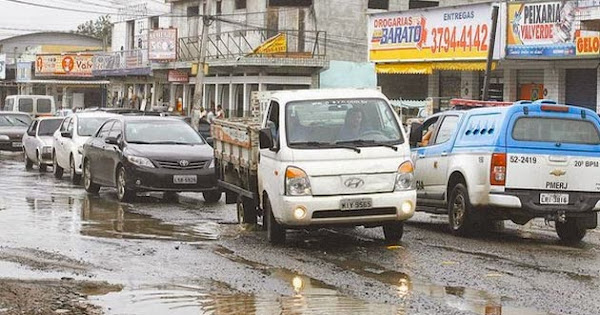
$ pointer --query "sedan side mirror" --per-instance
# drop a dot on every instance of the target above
(66, 134)
(112, 140)
(265, 139)
(416, 134)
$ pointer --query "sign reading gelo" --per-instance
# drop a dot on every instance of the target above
(456, 33)
(587, 43)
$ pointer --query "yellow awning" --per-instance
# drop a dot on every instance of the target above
(428, 67)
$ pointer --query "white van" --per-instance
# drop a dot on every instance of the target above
(34, 105)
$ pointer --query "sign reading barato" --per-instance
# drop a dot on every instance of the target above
(70, 65)
(163, 44)
(548, 29)
(458, 33)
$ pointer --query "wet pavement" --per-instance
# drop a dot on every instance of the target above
(156, 256)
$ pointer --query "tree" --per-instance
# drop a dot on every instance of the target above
(101, 28)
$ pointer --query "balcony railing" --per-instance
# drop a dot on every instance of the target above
(126, 62)
(242, 43)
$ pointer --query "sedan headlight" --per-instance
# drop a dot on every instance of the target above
(4, 138)
(296, 182)
(140, 161)
(405, 178)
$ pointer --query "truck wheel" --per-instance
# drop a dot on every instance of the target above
(393, 232)
(212, 196)
(275, 232)
(246, 211)
(56, 169)
(569, 231)
(460, 212)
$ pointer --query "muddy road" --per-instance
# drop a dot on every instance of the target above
(65, 252)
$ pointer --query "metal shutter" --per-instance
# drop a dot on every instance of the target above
(582, 88)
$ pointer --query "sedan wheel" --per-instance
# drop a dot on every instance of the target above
(88, 183)
(41, 166)
(28, 162)
(75, 178)
(57, 170)
(123, 193)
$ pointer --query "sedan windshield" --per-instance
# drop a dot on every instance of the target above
(48, 126)
(88, 126)
(357, 122)
(161, 132)
(10, 120)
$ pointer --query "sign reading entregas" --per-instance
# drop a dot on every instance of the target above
(456, 33)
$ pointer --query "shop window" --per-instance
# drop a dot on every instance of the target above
(240, 4)
(219, 7)
(379, 4)
(419, 4)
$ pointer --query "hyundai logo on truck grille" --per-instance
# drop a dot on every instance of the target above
(354, 182)
(184, 163)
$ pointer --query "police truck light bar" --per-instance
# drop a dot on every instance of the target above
(458, 102)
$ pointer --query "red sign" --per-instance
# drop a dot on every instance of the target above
(71, 65)
(178, 76)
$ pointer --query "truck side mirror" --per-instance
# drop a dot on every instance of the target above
(265, 139)
(66, 134)
(416, 134)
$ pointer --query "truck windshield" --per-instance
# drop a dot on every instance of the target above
(360, 122)
(555, 130)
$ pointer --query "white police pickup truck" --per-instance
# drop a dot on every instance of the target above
(516, 162)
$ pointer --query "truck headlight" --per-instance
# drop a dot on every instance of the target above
(212, 164)
(47, 150)
(4, 138)
(140, 161)
(296, 182)
(405, 178)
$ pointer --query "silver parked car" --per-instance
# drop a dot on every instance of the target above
(37, 142)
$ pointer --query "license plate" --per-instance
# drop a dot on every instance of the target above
(554, 199)
(354, 204)
(17, 144)
(185, 179)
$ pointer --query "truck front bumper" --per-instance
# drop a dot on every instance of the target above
(325, 210)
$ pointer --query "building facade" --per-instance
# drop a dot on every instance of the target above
(23, 76)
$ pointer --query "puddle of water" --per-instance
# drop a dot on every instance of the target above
(461, 298)
(110, 219)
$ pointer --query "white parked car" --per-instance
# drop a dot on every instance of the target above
(37, 142)
(69, 139)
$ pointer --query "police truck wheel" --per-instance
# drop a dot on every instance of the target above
(569, 231)
(275, 232)
(461, 214)
(393, 232)
(56, 169)
(246, 211)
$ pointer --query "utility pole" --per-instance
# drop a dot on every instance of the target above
(490, 58)
(198, 91)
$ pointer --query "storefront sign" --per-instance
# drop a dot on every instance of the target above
(178, 76)
(441, 34)
(274, 45)
(122, 63)
(548, 29)
(163, 44)
(2, 66)
(23, 71)
(69, 65)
